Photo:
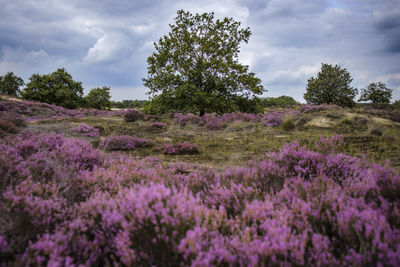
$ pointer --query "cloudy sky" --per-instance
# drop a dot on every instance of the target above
(107, 42)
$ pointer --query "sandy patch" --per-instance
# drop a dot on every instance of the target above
(321, 121)
(383, 121)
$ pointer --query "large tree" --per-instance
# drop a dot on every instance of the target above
(196, 67)
(10, 84)
(331, 86)
(376, 93)
(56, 88)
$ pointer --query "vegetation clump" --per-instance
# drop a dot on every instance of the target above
(122, 142)
(158, 124)
(288, 124)
(180, 149)
(133, 115)
(273, 118)
(86, 130)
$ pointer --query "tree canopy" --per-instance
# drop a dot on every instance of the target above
(99, 98)
(331, 86)
(10, 84)
(56, 88)
(196, 68)
(376, 93)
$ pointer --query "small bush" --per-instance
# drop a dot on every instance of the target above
(328, 145)
(212, 122)
(395, 116)
(7, 126)
(375, 131)
(122, 142)
(396, 104)
(288, 124)
(180, 149)
(86, 130)
(158, 124)
(9, 123)
(346, 121)
(273, 118)
(360, 120)
(133, 115)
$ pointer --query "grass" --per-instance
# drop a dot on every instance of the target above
(376, 138)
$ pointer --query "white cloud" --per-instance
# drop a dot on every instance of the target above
(110, 47)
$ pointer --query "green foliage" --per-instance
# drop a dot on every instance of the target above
(56, 88)
(396, 104)
(331, 86)
(10, 84)
(376, 93)
(196, 68)
(281, 101)
(129, 103)
(99, 98)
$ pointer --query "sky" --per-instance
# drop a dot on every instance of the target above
(107, 42)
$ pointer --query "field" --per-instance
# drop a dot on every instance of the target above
(305, 185)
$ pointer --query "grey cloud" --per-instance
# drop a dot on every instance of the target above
(387, 25)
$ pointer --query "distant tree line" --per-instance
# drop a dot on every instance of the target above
(129, 103)
(281, 101)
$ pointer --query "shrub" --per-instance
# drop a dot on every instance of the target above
(212, 122)
(180, 148)
(122, 142)
(375, 131)
(10, 123)
(346, 121)
(133, 115)
(86, 130)
(288, 124)
(158, 124)
(273, 118)
(7, 126)
(395, 116)
(327, 145)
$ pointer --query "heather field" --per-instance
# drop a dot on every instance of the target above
(306, 185)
